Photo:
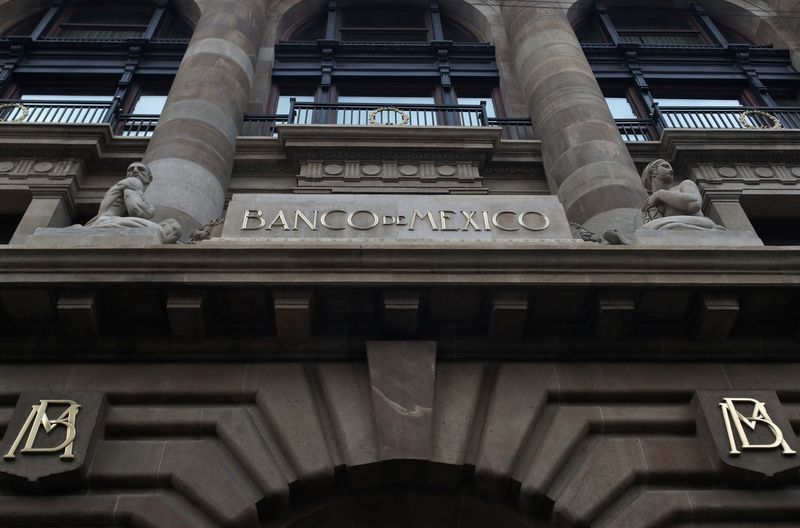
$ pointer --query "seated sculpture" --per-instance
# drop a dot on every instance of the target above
(124, 206)
(668, 207)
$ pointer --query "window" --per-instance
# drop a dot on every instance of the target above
(384, 71)
(149, 105)
(660, 28)
(104, 20)
(620, 108)
(67, 78)
(384, 24)
(654, 79)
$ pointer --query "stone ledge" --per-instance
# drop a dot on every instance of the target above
(88, 237)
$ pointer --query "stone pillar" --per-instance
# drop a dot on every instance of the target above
(43, 211)
(585, 159)
(192, 150)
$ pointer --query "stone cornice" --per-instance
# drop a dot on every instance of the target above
(552, 265)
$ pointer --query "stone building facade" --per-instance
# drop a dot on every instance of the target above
(428, 273)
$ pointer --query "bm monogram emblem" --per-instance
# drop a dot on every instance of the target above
(38, 419)
(738, 425)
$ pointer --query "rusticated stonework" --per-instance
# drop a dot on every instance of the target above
(527, 445)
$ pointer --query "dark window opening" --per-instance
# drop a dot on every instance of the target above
(777, 231)
(25, 27)
(384, 24)
(591, 32)
(659, 28)
(313, 29)
(457, 33)
(104, 20)
(8, 224)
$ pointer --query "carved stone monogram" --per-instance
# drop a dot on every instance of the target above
(51, 439)
(747, 431)
(39, 420)
(736, 421)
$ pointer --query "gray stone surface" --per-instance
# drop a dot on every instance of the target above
(585, 159)
(94, 237)
(711, 239)
(376, 218)
(193, 147)
(402, 375)
(41, 212)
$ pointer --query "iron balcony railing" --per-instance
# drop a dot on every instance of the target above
(386, 115)
(133, 125)
(50, 111)
(737, 117)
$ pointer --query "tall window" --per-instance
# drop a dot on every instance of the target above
(67, 77)
(677, 68)
(401, 60)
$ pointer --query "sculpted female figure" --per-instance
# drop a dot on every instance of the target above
(671, 207)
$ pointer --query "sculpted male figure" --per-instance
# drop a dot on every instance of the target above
(124, 205)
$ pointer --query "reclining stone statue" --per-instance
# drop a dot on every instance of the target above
(667, 207)
(124, 206)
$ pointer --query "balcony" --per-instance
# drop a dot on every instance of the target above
(711, 118)
(88, 111)
(85, 111)
(397, 115)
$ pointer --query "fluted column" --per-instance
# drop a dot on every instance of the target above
(192, 150)
(585, 159)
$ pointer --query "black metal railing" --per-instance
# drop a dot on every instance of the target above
(132, 125)
(513, 127)
(49, 111)
(751, 117)
(262, 125)
(387, 114)
(709, 118)
(636, 129)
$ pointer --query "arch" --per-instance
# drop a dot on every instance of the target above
(16, 12)
(475, 17)
(758, 20)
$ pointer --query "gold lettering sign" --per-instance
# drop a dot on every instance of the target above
(366, 220)
(735, 422)
(38, 418)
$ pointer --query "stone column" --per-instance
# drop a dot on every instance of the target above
(585, 159)
(192, 150)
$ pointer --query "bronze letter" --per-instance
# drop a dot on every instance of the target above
(421, 216)
(281, 223)
(324, 219)
(470, 221)
(545, 221)
(248, 214)
(496, 216)
(375, 220)
(298, 215)
(444, 216)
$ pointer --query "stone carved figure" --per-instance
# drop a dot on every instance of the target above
(669, 207)
(124, 206)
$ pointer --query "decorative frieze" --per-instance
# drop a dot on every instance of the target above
(23, 169)
(399, 174)
(745, 174)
